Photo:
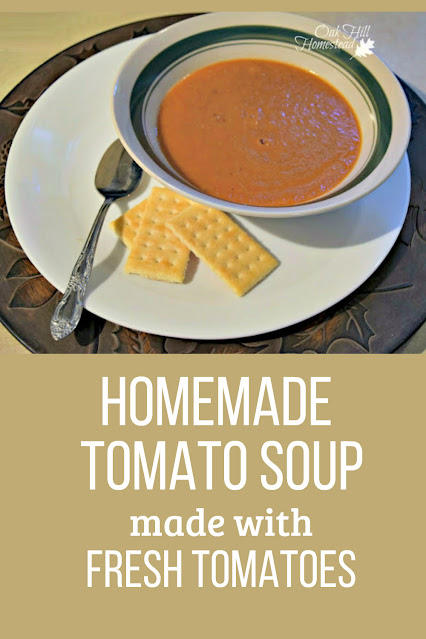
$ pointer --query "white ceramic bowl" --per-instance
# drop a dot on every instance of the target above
(163, 59)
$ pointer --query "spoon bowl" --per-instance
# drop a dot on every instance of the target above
(117, 175)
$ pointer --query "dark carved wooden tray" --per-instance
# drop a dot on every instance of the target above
(377, 318)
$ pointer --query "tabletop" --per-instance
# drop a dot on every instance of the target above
(29, 39)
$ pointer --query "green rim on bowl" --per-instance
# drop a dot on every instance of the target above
(355, 71)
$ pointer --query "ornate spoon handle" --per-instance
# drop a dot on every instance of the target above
(68, 312)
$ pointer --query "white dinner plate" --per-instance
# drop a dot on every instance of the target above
(52, 201)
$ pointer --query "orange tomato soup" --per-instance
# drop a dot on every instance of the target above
(258, 132)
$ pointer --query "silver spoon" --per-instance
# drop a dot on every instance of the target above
(117, 176)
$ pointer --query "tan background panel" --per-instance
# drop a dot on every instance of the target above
(163, 6)
(50, 518)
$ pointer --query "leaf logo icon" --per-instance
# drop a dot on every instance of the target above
(364, 48)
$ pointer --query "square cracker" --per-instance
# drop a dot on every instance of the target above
(229, 251)
(156, 252)
(126, 226)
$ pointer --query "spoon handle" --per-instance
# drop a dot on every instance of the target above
(68, 312)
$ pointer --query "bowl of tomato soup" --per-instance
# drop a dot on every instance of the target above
(233, 110)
